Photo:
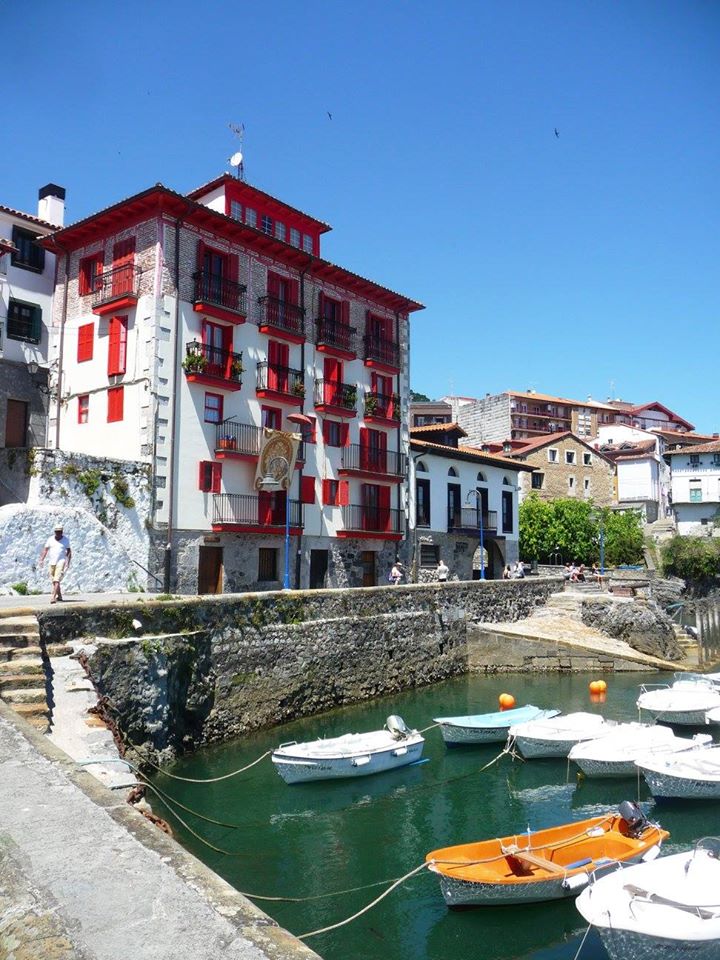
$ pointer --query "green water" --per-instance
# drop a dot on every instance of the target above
(310, 839)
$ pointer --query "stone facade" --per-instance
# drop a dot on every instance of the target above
(486, 419)
(210, 669)
(16, 383)
(594, 481)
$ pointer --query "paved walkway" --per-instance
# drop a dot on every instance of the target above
(83, 876)
(13, 606)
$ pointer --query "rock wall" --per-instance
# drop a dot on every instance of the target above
(642, 624)
(208, 669)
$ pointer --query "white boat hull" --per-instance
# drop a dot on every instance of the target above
(692, 775)
(303, 769)
(685, 703)
(629, 945)
(456, 733)
(666, 786)
(682, 718)
(615, 756)
(556, 738)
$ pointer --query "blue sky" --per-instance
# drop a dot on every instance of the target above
(567, 263)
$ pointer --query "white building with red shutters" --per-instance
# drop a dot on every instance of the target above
(190, 323)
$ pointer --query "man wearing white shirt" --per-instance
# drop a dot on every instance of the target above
(58, 552)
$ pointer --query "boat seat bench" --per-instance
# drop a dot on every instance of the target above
(527, 857)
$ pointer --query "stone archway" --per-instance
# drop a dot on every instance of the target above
(494, 561)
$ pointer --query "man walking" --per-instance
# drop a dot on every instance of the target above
(58, 552)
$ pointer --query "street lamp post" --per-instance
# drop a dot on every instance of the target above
(478, 500)
(279, 469)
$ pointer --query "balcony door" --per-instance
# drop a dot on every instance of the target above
(278, 360)
(214, 273)
(482, 503)
(279, 292)
(16, 423)
(454, 505)
(122, 267)
(332, 380)
(217, 341)
(210, 569)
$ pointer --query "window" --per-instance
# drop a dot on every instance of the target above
(570, 456)
(586, 484)
(331, 491)
(537, 481)
(279, 231)
(507, 511)
(236, 210)
(587, 459)
(308, 430)
(422, 502)
(552, 455)
(83, 408)
(307, 243)
(307, 490)
(210, 475)
(694, 459)
(89, 271)
(117, 346)
(267, 563)
(250, 217)
(335, 434)
(571, 483)
(24, 321)
(271, 417)
(213, 408)
(266, 224)
(86, 340)
(294, 237)
(452, 472)
(28, 256)
(429, 554)
(695, 493)
(115, 398)
(716, 459)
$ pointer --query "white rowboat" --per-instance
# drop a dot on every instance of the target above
(615, 754)
(686, 702)
(668, 909)
(556, 737)
(489, 727)
(694, 775)
(352, 755)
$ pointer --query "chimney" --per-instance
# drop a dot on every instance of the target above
(507, 446)
(51, 204)
(716, 436)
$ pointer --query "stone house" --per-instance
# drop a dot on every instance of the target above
(566, 466)
(192, 328)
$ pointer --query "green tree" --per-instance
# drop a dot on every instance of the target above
(573, 530)
(534, 524)
(623, 537)
(692, 558)
(419, 397)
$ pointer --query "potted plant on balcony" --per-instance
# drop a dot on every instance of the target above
(299, 388)
(195, 363)
(371, 405)
(349, 396)
(236, 369)
(227, 442)
(395, 411)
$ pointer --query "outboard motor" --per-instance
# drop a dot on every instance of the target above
(397, 727)
(634, 818)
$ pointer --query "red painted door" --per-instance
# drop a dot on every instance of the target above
(278, 359)
(332, 379)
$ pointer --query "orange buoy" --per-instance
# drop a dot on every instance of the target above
(506, 701)
(594, 686)
(602, 686)
(600, 697)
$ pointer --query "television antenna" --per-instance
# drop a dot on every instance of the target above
(236, 160)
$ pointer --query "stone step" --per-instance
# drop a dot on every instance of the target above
(18, 640)
(59, 649)
(17, 666)
(24, 696)
(26, 625)
(14, 681)
(30, 710)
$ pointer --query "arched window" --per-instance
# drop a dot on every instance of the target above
(420, 467)
(452, 472)
(506, 482)
(481, 477)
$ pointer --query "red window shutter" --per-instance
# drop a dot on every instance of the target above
(86, 337)
(231, 262)
(343, 493)
(273, 285)
(321, 304)
(326, 431)
(264, 508)
(117, 346)
(345, 312)
(205, 476)
(307, 490)
(364, 448)
(83, 408)
(216, 478)
(115, 397)
(123, 262)
(201, 255)
(326, 492)
(383, 517)
(344, 434)
(294, 292)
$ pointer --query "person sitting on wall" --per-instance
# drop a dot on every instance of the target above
(396, 574)
(596, 575)
(581, 573)
(507, 573)
(573, 573)
(519, 571)
(567, 572)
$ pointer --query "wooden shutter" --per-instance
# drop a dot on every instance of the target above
(345, 313)
(273, 285)
(117, 346)
(264, 508)
(307, 490)
(383, 513)
(364, 448)
(344, 434)
(380, 453)
(123, 262)
(294, 292)
(115, 404)
(216, 478)
(343, 493)
(86, 337)
(332, 374)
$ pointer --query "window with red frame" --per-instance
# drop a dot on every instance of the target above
(83, 408)
(308, 430)
(86, 340)
(335, 434)
(213, 408)
(88, 272)
(115, 396)
(307, 490)
(209, 476)
(335, 493)
(271, 417)
(117, 346)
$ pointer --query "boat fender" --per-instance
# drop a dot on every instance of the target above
(634, 818)
(576, 882)
(396, 726)
(652, 854)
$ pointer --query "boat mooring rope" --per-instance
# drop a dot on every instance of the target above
(369, 906)
(582, 942)
(226, 776)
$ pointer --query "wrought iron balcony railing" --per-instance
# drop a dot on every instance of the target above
(284, 380)
(248, 510)
(468, 518)
(372, 519)
(332, 333)
(244, 438)
(214, 289)
(115, 284)
(202, 359)
(330, 393)
(372, 460)
(282, 315)
(382, 351)
(381, 405)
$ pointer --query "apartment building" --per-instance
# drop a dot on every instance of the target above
(27, 276)
(191, 325)
(696, 488)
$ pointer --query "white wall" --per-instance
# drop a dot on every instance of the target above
(686, 476)
(637, 479)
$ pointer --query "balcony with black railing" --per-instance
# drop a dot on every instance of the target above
(219, 297)
(336, 398)
(358, 459)
(212, 366)
(255, 513)
(115, 289)
(281, 319)
(280, 383)
(467, 519)
(339, 339)
(242, 441)
(381, 353)
(382, 523)
(381, 407)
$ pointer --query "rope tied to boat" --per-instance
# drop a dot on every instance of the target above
(225, 776)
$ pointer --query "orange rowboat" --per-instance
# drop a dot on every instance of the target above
(545, 865)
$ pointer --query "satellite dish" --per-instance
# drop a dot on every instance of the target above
(236, 159)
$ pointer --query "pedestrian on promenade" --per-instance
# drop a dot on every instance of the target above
(442, 571)
(396, 574)
(58, 552)
(519, 571)
(507, 572)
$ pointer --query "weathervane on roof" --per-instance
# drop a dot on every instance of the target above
(236, 160)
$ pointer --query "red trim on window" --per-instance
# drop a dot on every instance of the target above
(88, 272)
(115, 397)
(83, 408)
(307, 490)
(209, 476)
(216, 410)
(343, 493)
(271, 417)
(86, 339)
(117, 346)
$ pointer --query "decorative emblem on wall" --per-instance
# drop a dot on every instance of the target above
(278, 452)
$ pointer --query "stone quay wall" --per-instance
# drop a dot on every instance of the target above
(208, 669)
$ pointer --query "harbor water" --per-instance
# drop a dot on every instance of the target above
(310, 840)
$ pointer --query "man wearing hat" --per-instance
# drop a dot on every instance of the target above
(57, 550)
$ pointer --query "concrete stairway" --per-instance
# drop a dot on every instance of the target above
(22, 671)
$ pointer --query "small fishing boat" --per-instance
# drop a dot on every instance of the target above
(712, 717)
(489, 727)
(615, 754)
(352, 755)
(694, 775)
(685, 702)
(556, 737)
(667, 909)
(547, 864)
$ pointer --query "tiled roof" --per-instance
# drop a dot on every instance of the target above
(29, 217)
(627, 449)
(7, 246)
(656, 405)
(713, 447)
(551, 399)
(439, 428)
(679, 435)
(467, 453)
(539, 442)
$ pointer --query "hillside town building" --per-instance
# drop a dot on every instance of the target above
(696, 488)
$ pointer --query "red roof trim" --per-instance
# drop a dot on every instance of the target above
(229, 178)
(656, 405)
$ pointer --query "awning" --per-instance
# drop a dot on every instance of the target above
(7, 246)
(300, 418)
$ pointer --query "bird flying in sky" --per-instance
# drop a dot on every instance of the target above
(329, 114)
(557, 132)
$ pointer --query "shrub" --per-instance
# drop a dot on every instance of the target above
(692, 558)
